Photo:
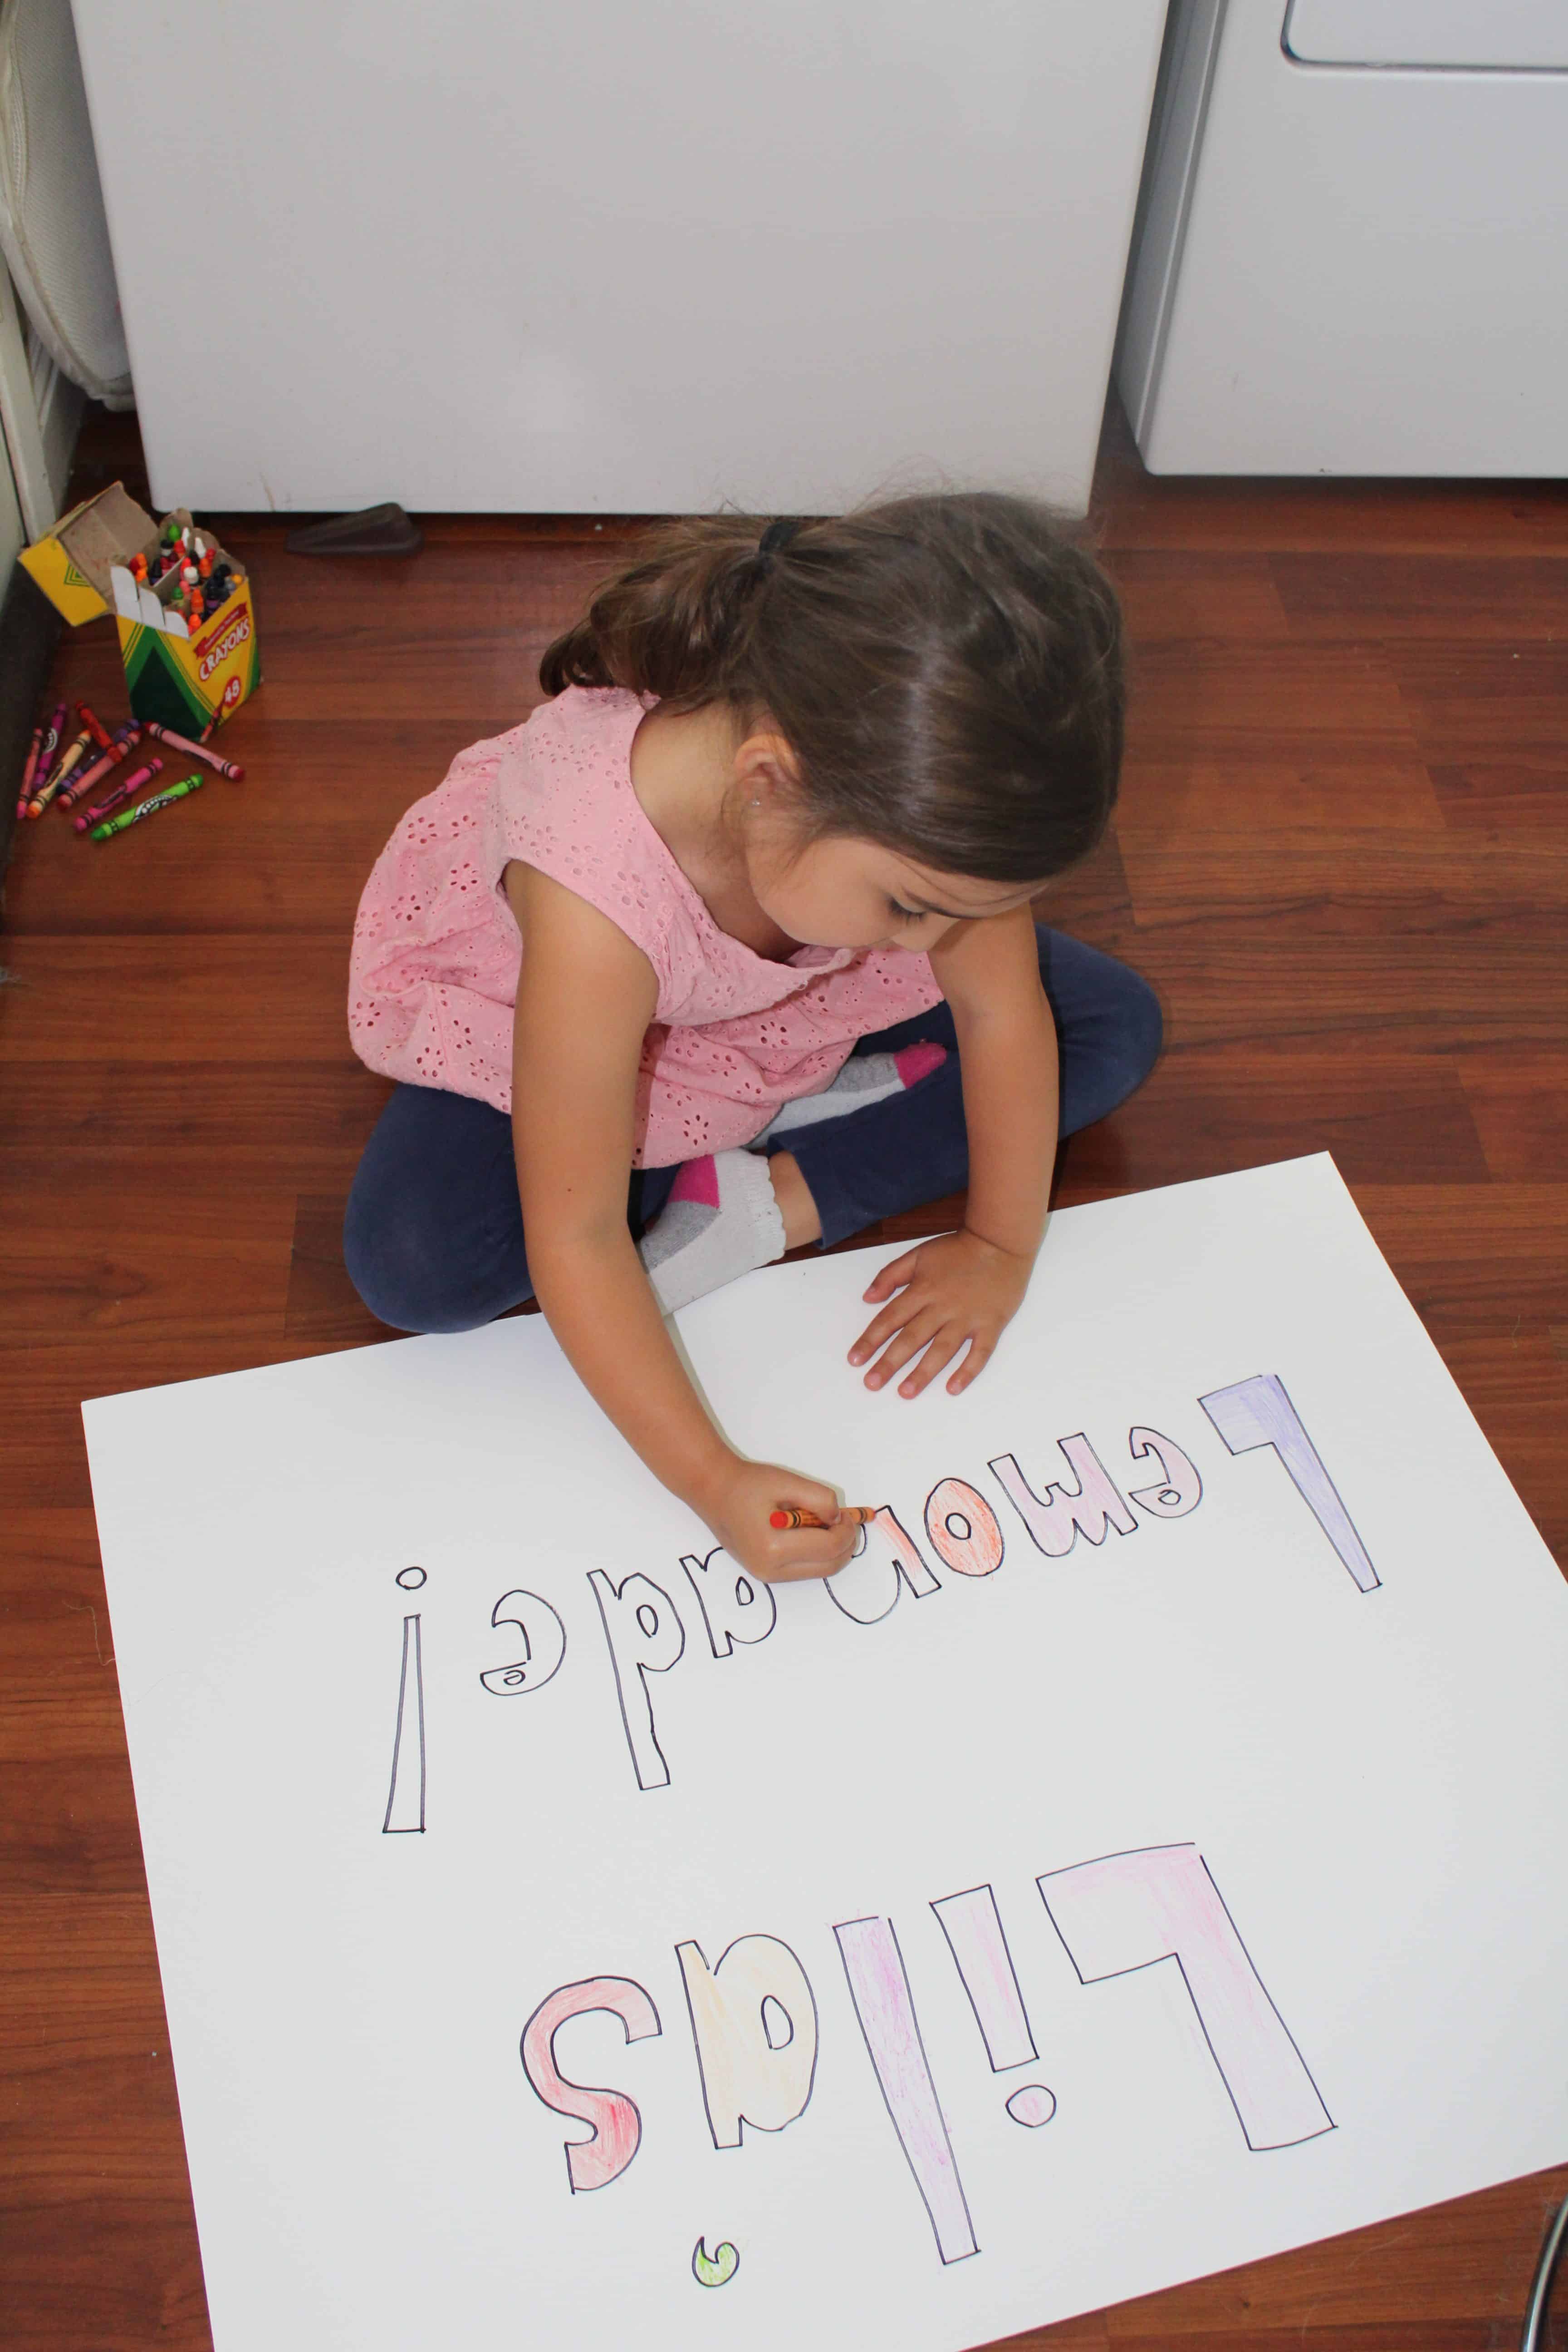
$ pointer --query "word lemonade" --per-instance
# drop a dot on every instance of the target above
(181, 605)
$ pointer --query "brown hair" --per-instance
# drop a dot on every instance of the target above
(947, 669)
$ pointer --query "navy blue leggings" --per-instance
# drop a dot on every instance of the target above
(433, 1237)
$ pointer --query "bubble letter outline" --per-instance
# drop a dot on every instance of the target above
(614, 2116)
(1127, 1912)
(621, 1607)
(748, 2077)
(1258, 1412)
(879, 1989)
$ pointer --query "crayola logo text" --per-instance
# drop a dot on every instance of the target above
(235, 633)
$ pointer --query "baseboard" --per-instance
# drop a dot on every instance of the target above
(29, 632)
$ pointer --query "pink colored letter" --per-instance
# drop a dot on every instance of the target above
(1180, 1490)
(1160, 1904)
(616, 2127)
(881, 1991)
(1056, 1519)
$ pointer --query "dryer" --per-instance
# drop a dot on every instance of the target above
(1351, 254)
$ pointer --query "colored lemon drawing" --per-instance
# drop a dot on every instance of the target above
(715, 2269)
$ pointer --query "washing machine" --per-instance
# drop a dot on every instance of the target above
(1352, 249)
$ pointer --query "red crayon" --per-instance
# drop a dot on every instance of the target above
(94, 725)
(228, 768)
(122, 792)
(858, 1513)
(33, 750)
(126, 741)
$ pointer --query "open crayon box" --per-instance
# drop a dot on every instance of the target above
(185, 677)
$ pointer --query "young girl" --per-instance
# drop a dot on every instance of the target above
(743, 916)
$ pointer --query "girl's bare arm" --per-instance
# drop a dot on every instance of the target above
(585, 997)
(960, 1291)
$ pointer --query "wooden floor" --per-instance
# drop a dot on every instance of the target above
(1342, 860)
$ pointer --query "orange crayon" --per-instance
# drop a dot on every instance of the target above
(860, 1513)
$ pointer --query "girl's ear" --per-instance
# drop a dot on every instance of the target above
(766, 773)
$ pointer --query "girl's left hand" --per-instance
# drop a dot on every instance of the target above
(956, 1292)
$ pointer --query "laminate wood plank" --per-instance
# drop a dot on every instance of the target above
(153, 1266)
(177, 998)
(1467, 702)
(300, 1106)
(1469, 2262)
(1473, 1257)
(1169, 596)
(1461, 599)
(1260, 977)
(1214, 1108)
(1276, 703)
(109, 2273)
(1518, 1100)
(1240, 797)
(1370, 880)
(1505, 798)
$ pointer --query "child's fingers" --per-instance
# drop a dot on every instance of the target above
(916, 1334)
(892, 1278)
(881, 1329)
(811, 1552)
(937, 1357)
(981, 1350)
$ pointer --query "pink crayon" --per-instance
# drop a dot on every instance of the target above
(122, 793)
(228, 768)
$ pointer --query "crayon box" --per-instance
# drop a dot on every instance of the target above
(186, 678)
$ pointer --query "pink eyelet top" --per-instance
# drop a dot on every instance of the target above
(433, 974)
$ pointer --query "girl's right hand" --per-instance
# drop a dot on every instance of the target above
(737, 1509)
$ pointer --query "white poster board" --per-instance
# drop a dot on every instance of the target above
(1140, 1863)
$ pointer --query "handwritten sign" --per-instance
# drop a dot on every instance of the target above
(1126, 1866)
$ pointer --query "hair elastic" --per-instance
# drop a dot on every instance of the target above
(776, 539)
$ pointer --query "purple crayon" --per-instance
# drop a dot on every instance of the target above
(121, 793)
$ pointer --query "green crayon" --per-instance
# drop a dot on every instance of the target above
(134, 816)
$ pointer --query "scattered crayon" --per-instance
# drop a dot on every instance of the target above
(94, 725)
(52, 734)
(147, 808)
(229, 768)
(33, 750)
(119, 795)
(63, 766)
(126, 741)
(857, 1512)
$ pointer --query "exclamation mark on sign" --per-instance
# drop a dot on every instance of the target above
(406, 1795)
(973, 1926)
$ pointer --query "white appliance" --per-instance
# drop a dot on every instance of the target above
(1352, 246)
(614, 257)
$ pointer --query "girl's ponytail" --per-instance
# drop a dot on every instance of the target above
(676, 623)
(946, 670)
